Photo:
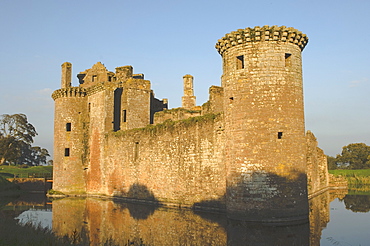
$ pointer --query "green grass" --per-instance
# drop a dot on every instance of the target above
(9, 171)
(362, 192)
(351, 173)
(358, 180)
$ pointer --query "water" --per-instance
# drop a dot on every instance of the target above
(336, 218)
(349, 222)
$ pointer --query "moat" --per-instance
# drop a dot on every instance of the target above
(336, 218)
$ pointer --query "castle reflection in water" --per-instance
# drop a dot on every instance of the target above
(103, 220)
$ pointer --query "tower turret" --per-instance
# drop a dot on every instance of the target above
(264, 123)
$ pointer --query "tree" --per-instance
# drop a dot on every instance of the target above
(16, 137)
(332, 165)
(357, 203)
(33, 156)
(355, 156)
(39, 155)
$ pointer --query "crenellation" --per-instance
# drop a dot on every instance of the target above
(69, 92)
(244, 152)
(273, 33)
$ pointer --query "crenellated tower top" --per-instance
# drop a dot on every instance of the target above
(262, 34)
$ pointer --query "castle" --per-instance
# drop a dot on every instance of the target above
(244, 152)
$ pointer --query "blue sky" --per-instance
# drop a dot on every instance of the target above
(166, 39)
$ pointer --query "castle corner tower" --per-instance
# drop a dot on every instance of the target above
(69, 135)
(264, 123)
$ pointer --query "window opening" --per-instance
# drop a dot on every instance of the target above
(280, 135)
(68, 127)
(239, 62)
(94, 78)
(124, 117)
(288, 59)
(66, 152)
(136, 156)
(117, 109)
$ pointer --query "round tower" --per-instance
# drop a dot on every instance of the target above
(70, 126)
(264, 123)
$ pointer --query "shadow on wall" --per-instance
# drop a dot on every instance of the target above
(139, 193)
(253, 197)
(263, 196)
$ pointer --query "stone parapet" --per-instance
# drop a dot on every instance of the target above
(69, 92)
(262, 34)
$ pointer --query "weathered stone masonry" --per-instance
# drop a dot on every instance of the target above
(244, 151)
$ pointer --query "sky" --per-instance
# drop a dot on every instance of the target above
(166, 39)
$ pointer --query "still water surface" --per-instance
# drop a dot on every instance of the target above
(336, 218)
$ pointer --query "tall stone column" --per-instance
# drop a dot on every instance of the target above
(188, 100)
(66, 80)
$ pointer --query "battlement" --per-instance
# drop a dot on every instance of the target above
(262, 34)
(69, 92)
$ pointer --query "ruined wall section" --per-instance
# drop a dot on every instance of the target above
(174, 163)
(175, 114)
(156, 105)
(95, 75)
(317, 168)
(70, 139)
(215, 103)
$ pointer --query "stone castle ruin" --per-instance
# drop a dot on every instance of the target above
(244, 152)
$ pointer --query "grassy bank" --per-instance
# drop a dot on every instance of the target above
(357, 179)
(10, 171)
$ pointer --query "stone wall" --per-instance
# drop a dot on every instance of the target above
(215, 102)
(175, 163)
(317, 169)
